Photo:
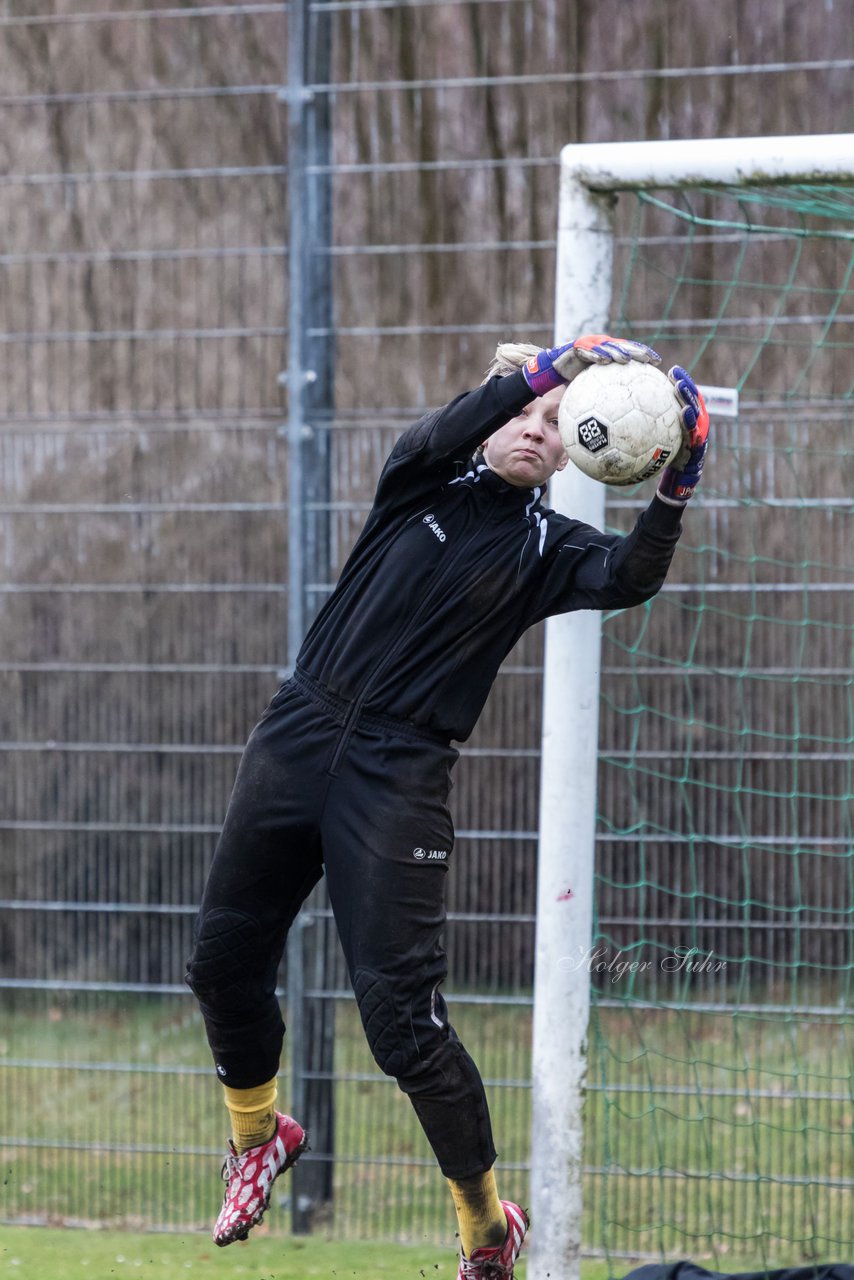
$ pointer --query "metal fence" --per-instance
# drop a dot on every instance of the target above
(245, 244)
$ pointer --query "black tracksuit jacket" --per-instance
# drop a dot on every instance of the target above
(453, 564)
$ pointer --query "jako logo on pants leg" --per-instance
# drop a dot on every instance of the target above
(430, 855)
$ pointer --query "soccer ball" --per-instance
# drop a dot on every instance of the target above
(620, 423)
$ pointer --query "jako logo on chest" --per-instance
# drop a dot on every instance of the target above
(434, 526)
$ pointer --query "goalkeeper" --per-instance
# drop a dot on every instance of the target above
(348, 771)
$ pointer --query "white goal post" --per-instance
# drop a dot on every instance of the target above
(591, 175)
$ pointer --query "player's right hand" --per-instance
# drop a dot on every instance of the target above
(559, 365)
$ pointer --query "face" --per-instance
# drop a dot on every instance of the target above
(528, 449)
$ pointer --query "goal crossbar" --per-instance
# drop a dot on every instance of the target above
(621, 166)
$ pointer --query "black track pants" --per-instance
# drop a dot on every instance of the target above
(367, 805)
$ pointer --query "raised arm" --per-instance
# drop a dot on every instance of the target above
(453, 432)
(592, 570)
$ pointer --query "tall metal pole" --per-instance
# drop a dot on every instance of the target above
(297, 373)
(310, 385)
(567, 800)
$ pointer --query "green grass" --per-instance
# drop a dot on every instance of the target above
(30, 1253)
(703, 1130)
(95, 1255)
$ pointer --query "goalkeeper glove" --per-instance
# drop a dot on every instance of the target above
(680, 479)
(559, 365)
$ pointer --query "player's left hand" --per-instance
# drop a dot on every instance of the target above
(680, 479)
(559, 365)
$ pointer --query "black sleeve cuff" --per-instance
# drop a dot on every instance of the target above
(513, 392)
(662, 517)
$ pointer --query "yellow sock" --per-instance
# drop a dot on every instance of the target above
(253, 1114)
(483, 1223)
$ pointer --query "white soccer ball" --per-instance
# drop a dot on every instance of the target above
(620, 423)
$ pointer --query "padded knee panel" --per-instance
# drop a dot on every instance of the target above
(229, 960)
(394, 1049)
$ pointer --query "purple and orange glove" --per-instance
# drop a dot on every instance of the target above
(680, 479)
(559, 365)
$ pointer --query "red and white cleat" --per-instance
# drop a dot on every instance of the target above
(496, 1263)
(249, 1179)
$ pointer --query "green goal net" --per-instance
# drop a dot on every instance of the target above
(719, 1117)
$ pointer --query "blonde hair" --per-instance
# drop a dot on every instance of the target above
(510, 356)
